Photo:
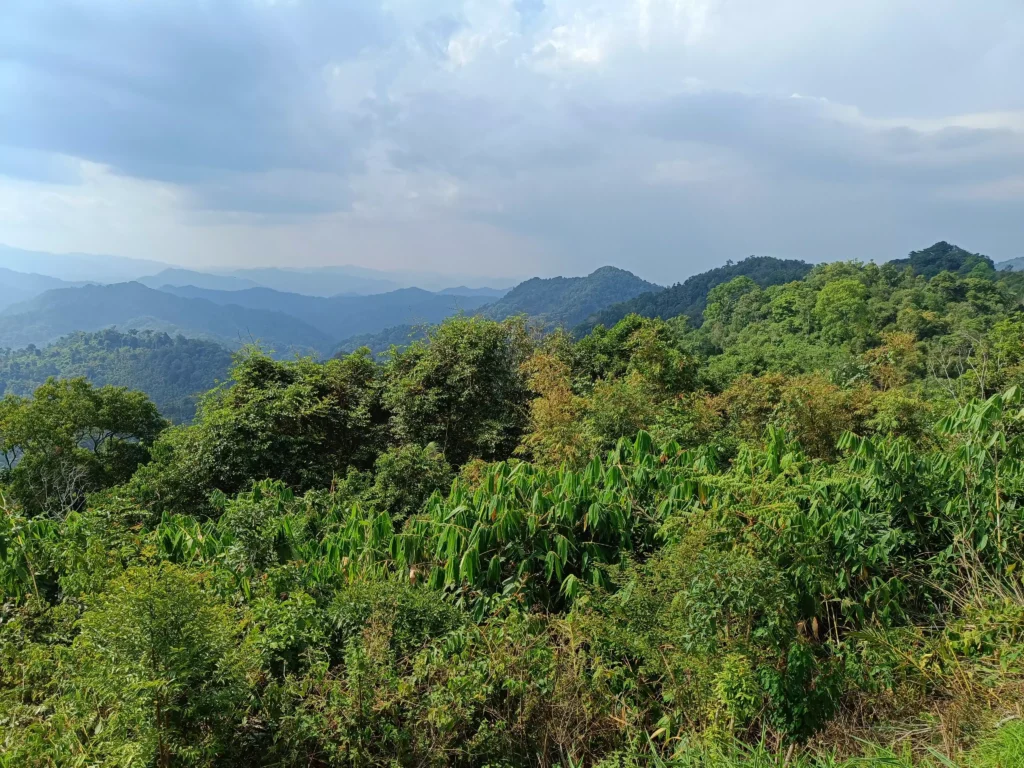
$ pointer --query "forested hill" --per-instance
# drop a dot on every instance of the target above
(134, 306)
(173, 371)
(689, 297)
(341, 317)
(567, 301)
(945, 257)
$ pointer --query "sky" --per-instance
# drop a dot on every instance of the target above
(511, 137)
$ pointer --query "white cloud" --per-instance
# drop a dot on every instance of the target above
(581, 130)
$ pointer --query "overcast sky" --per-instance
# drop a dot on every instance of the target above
(511, 137)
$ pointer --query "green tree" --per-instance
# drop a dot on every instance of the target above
(841, 310)
(462, 388)
(161, 663)
(405, 477)
(70, 439)
(301, 422)
(722, 299)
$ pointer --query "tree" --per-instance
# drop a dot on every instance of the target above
(300, 421)
(405, 477)
(462, 388)
(161, 662)
(841, 310)
(556, 413)
(722, 299)
(70, 439)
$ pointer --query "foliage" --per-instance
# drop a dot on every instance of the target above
(172, 371)
(944, 257)
(301, 422)
(405, 477)
(790, 536)
(158, 658)
(567, 301)
(690, 297)
(70, 439)
(462, 389)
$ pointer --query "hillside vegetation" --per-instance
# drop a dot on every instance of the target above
(945, 257)
(690, 297)
(567, 301)
(790, 536)
(172, 371)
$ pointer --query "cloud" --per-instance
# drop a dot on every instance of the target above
(630, 131)
(181, 90)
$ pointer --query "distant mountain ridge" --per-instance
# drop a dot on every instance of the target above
(316, 281)
(568, 301)
(550, 302)
(78, 267)
(324, 281)
(132, 305)
(182, 277)
(462, 290)
(690, 297)
(343, 316)
(16, 287)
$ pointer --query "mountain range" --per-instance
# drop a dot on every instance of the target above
(78, 267)
(16, 287)
(343, 316)
(313, 281)
(232, 310)
(134, 306)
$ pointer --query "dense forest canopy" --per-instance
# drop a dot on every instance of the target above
(787, 535)
(173, 371)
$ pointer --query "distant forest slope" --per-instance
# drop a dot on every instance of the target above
(944, 257)
(399, 336)
(689, 297)
(131, 305)
(568, 301)
(171, 370)
(341, 317)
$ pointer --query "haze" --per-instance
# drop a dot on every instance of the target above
(511, 137)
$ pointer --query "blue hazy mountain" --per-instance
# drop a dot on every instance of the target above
(125, 306)
(181, 277)
(78, 267)
(343, 316)
(16, 287)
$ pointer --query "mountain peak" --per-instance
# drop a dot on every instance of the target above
(567, 301)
